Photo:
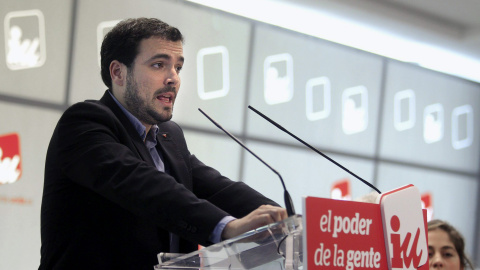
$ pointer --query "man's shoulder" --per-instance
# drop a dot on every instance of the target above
(89, 106)
(169, 125)
(92, 104)
(88, 110)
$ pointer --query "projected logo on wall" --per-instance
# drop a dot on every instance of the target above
(433, 123)
(25, 39)
(405, 98)
(215, 60)
(10, 165)
(462, 124)
(278, 78)
(318, 87)
(355, 109)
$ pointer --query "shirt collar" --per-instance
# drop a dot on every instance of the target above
(139, 127)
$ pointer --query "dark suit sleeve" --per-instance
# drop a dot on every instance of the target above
(236, 198)
(94, 150)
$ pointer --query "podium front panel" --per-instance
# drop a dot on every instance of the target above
(263, 248)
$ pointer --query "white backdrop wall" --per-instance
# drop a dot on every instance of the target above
(389, 122)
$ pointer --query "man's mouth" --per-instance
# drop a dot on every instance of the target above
(165, 98)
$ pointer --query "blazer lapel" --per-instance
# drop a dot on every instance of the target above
(173, 160)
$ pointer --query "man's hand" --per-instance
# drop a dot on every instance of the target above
(261, 216)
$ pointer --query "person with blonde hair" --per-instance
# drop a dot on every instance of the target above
(446, 247)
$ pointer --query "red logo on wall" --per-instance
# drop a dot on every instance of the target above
(427, 203)
(341, 190)
(10, 165)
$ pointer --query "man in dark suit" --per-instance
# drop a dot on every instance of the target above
(120, 183)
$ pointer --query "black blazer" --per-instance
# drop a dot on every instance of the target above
(106, 206)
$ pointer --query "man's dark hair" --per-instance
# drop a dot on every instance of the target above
(122, 42)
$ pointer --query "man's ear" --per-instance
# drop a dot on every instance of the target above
(118, 73)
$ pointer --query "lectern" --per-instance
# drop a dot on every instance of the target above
(272, 247)
(333, 234)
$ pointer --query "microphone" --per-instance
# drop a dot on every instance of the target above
(311, 147)
(286, 196)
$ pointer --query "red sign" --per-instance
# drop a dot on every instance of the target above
(404, 228)
(352, 235)
(10, 165)
(344, 235)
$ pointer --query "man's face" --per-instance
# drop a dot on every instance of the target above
(153, 80)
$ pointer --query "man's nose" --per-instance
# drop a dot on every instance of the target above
(172, 77)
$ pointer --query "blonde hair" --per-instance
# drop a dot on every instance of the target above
(455, 237)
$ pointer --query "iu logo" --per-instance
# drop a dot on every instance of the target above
(404, 228)
(402, 256)
(25, 39)
(10, 166)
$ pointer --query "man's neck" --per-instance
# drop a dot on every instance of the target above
(147, 127)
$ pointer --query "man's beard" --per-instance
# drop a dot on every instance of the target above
(143, 109)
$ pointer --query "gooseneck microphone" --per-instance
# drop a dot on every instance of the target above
(286, 195)
(311, 147)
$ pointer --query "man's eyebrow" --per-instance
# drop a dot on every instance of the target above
(164, 56)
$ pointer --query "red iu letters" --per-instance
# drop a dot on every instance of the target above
(400, 257)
